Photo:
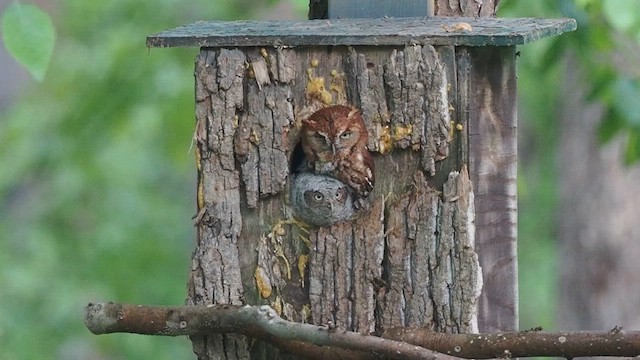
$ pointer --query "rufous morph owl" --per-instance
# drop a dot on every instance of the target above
(334, 141)
(320, 200)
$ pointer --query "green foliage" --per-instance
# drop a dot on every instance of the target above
(97, 187)
(604, 29)
(608, 27)
(29, 36)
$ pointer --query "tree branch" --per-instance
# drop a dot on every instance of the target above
(524, 343)
(259, 322)
(316, 342)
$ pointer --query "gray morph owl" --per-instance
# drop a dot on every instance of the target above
(320, 200)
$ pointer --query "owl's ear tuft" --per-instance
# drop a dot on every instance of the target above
(353, 113)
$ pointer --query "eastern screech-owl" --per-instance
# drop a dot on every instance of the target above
(334, 141)
(320, 200)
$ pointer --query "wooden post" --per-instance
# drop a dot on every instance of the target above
(493, 168)
(491, 86)
(429, 93)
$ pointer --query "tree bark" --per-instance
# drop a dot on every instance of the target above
(466, 8)
(493, 164)
(409, 260)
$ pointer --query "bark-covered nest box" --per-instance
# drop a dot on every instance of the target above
(438, 96)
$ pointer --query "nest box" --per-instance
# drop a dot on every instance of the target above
(438, 95)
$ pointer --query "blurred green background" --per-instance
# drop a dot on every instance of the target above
(97, 182)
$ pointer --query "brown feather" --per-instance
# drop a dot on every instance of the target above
(334, 140)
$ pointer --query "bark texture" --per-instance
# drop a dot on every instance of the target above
(409, 260)
(468, 8)
(487, 76)
(215, 275)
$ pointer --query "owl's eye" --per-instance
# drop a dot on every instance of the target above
(317, 135)
(346, 134)
(339, 194)
(318, 196)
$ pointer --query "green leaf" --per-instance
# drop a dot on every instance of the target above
(610, 126)
(632, 150)
(28, 35)
(602, 83)
(554, 53)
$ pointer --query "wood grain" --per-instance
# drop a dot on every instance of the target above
(376, 32)
(490, 81)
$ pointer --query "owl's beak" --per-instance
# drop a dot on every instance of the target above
(333, 149)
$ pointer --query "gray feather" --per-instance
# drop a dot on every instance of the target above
(321, 200)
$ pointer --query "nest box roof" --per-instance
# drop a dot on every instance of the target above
(381, 31)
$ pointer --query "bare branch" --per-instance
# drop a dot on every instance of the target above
(318, 342)
(259, 322)
(524, 343)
